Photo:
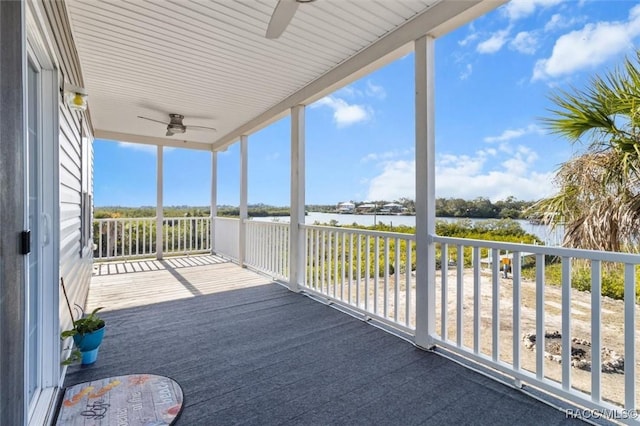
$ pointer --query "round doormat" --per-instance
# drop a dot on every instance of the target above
(132, 400)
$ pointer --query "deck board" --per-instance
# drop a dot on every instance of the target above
(248, 351)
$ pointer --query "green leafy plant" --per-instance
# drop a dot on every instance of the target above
(84, 325)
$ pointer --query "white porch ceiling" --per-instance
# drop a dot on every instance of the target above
(211, 62)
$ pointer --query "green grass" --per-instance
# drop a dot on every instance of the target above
(612, 277)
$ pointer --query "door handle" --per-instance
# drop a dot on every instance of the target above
(46, 229)
(25, 242)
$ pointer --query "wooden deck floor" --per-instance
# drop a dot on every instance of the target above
(248, 351)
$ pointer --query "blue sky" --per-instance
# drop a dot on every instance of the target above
(493, 78)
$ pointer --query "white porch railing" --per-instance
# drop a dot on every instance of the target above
(369, 271)
(485, 316)
(226, 237)
(268, 248)
(479, 314)
(136, 237)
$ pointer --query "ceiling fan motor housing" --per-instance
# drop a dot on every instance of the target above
(175, 125)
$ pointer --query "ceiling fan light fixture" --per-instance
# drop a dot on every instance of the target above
(175, 128)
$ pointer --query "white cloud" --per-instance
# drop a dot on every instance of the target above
(379, 156)
(517, 9)
(468, 39)
(468, 176)
(493, 43)
(396, 180)
(348, 92)
(525, 42)
(509, 134)
(345, 114)
(467, 72)
(558, 22)
(589, 47)
(373, 90)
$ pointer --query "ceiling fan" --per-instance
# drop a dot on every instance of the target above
(175, 126)
(282, 14)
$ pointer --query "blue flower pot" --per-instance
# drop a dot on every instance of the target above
(88, 344)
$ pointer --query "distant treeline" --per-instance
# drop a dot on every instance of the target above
(256, 210)
(481, 208)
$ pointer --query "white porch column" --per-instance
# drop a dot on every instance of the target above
(296, 235)
(425, 190)
(214, 200)
(159, 203)
(243, 198)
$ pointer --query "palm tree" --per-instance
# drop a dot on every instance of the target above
(598, 199)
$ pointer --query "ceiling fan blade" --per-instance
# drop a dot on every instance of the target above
(151, 119)
(282, 14)
(202, 128)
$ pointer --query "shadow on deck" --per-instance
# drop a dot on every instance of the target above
(260, 354)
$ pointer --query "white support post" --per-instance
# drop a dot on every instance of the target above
(425, 191)
(296, 236)
(214, 200)
(159, 204)
(243, 198)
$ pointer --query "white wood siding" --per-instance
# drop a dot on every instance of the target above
(75, 268)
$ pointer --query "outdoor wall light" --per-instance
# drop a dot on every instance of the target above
(75, 97)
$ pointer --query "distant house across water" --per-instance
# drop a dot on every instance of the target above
(346, 207)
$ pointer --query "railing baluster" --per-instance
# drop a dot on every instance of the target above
(350, 266)
(329, 261)
(477, 300)
(444, 289)
(409, 283)
(517, 300)
(540, 331)
(270, 242)
(100, 239)
(566, 323)
(596, 337)
(169, 226)
(311, 261)
(122, 237)
(459, 293)
(130, 223)
(629, 337)
(342, 265)
(376, 271)
(367, 274)
(396, 276)
(386, 277)
(336, 256)
(495, 311)
(108, 239)
(322, 263)
(358, 270)
(316, 261)
(284, 248)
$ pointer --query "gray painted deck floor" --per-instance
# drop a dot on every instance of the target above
(260, 354)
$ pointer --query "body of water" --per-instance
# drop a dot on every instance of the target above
(543, 232)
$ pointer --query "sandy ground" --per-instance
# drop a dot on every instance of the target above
(612, 325)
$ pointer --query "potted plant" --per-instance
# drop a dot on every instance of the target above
(87, 334)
